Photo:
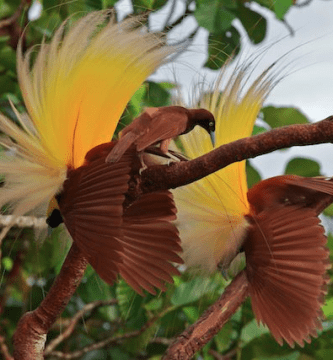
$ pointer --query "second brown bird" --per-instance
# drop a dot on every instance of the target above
(160, 125)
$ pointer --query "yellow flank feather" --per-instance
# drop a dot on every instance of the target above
(211, 211)
(81, 82)
(74, 93)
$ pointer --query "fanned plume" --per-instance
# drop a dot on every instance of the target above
(81, 82)
(286, 265)
(74, 93)
(211, 211)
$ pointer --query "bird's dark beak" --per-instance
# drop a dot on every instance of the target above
(212, 137)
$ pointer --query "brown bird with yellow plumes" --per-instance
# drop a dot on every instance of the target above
(275, 222)
(161, 125)
(75, 93)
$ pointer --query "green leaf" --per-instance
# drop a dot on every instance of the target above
(93, 287)
(281, 116)
(8, 58)
(329, 211)
(252, 174)
(281, 7)
(191, 291)
(137, 100)
(328, 308)
(252, 330)
(155, 304)
(258, 130)
(94, 4)
(254, 24)
(302, 167)
(7, 263)
(192, 313)
(140, 6)
(157, 94)
(213, 16)
(7, 84)
(222, 47)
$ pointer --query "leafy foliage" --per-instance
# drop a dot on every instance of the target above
(142, 327)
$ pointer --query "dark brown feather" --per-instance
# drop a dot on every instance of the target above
(286, 254)
(139, 242)
(91, 204)
(150, 242)
(286, 264)
(158, 125)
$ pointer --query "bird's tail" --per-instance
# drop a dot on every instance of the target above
(120, 148)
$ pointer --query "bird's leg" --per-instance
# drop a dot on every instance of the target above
(164, 145)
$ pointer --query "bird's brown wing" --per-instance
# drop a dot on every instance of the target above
(167, 123)
(92, 207)
(129, 136)
(286, 264)
(150, 242)
(320, 190)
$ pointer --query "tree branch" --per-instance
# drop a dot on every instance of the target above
(30, 335)
(163, 177)
(195, 337)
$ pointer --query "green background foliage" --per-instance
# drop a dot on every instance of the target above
(29, 267)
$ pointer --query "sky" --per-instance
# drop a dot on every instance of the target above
(308, 87)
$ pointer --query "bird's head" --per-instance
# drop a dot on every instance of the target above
(203, 118)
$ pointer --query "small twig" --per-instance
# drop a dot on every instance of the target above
(71, 326)
(216, 355)
(195, 337)
(4, 349)
(23, 221)
(186, 14)
(107, 342)
(11, 19)
(169, 16)
(184, 43)
(179, 174)
(305, 3)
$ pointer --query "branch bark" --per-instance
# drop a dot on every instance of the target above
(162, 177)
(30, 336)
(211, 322)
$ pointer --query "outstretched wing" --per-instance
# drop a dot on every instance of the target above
(167, 123)
(150, 242)
(92, 207)
(286, 264)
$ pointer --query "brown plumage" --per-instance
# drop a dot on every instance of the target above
(286, 255)
(160, 125)
(134, 239)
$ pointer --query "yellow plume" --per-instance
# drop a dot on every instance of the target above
(75, 94)
(211, 211)
(81, 83)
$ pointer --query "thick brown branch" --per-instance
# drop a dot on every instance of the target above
(179, 174)
(211, 322)
(30, 336)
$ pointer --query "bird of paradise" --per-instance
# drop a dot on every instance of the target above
(75, 93)
(275, 222)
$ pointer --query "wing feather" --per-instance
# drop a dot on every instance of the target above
(286, 265)
(150, 242)
(92, 207)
